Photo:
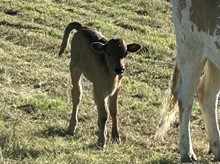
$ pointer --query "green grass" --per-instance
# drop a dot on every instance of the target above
(35, 99)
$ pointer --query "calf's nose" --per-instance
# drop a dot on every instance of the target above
(119, 71)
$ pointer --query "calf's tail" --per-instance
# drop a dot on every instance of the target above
(71, 26)
(170, 106)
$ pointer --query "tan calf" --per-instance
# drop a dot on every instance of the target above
(102, 62)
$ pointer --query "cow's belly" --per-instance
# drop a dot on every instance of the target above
(192, 42)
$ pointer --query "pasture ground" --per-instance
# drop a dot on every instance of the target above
(35, 99)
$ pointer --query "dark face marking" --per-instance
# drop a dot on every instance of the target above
(117, 48)
(116, 52)
(205, 15)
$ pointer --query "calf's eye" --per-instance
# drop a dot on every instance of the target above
(108, 54)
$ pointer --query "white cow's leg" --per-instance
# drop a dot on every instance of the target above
(208, 95)
(185, 90)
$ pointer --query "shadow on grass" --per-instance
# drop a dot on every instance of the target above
(58, 132)
(3, 140)
(94, 146)
(53, 132)
(22, 153)
(11, 149)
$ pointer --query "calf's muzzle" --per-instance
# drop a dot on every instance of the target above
(119, 70)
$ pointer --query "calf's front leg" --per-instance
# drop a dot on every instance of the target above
(100, 101)
(113, 108)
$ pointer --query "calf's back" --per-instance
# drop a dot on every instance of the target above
(89, 62)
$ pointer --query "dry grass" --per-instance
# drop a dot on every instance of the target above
(35, 84)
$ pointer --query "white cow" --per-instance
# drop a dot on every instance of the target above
(197, 29)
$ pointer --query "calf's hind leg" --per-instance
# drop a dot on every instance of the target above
(76, 97)
(208, 92)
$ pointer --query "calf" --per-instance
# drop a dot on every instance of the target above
(102, 62)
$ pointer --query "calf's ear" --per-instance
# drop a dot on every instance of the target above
(134, 47)
(97, 47)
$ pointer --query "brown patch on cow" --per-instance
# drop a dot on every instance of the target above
(192, 28)
(205, 14)
(181, 6)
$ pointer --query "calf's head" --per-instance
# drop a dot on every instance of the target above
(115, 51)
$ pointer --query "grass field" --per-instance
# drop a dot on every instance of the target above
(35, 99)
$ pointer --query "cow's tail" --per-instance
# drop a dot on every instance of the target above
(71, 26)
(170, 106)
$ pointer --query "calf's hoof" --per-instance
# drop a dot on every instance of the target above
(70, 131)
(116, 136)
(101, 145)
(116, 139)
(190, 157)
(215, 150)
(217, 157)
(101, 142)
